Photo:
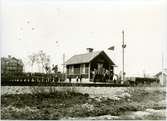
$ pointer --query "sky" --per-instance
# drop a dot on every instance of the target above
(61, 26)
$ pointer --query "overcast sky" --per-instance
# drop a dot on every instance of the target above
(61, 26)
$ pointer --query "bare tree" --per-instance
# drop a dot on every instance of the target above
(44, 60)
(32, 59)
(41, 59)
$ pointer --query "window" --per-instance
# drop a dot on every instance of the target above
(71, 70)
(82, 69)
(77, 69)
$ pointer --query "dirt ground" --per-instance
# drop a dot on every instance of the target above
(132, 103)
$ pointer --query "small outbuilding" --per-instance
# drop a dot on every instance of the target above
(162, 77)
(94, 66)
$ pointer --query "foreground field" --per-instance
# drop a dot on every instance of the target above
(133, 103)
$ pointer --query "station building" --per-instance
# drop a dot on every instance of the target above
(88, 64)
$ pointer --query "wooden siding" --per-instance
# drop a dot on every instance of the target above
(77, 70)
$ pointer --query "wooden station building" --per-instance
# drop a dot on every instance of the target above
(89, 64)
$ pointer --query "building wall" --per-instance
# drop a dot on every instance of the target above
(162, 80)
(11, 65)
(100, 64)
(76, 70)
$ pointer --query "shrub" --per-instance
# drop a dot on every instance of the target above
(137, 93)
(51, 91)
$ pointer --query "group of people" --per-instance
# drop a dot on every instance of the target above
(102, 76)
(78, 78)
(96, 76)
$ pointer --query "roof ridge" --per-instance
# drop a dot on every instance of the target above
(86, 57)
(87, 53)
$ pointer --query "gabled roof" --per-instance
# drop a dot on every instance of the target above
(85, 58)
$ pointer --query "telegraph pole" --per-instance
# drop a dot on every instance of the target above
(64, 75)
(63, 62)
(162, 69)
(123, 47)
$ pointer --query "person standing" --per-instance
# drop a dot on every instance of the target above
(94, 75)
(80, 78)
(77, 79)
(70, 79)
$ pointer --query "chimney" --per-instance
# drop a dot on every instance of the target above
(89, 49)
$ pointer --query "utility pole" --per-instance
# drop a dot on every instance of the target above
(63, 62)
(123, 47)
(64, 76)
(162, 69)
